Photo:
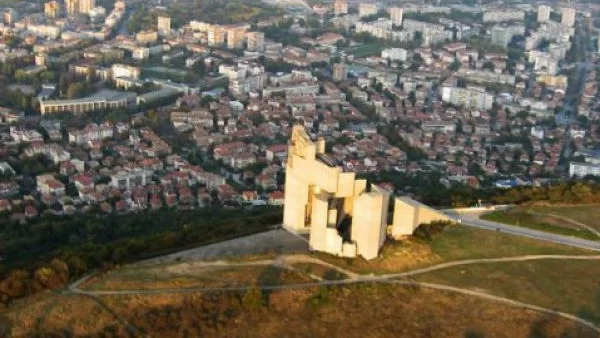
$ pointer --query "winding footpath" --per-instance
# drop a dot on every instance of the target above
(288, 261)
(569, 220)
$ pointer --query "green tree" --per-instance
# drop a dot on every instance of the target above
(75, 90)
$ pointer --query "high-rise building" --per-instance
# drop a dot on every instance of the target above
(120, 5)
(396, 14)
(52, 9)
(164, 25)
(10, 16)
(71, 7)
(85, 6)
(235, 37)
(216, 36)
(568, 17)
(340, 7)
(340, 72)
(543, 14)
(503, 35)
(79, 6)
(255, 41)
(367, 9)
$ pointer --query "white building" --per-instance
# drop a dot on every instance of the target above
(91, 132)
(244, 77)
(471, 97)
(340, 7)
(501, 15)
(394, 54)
(396, 14)
(164, 25)
(121, 70)
(255, 41)
(367, 9)
(131, 179)
(568, 17)
(502, 35)
(543, 14)
(581, 169)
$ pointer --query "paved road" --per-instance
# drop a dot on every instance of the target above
(474, 221)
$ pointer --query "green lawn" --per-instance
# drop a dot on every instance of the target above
(369, 49)
(569, 286)
(586, 214)
(523, 219)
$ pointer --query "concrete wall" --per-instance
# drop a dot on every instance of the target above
(318, 227)
(384, 213)
(409, 214)
(476, 210)
(368, 226)
(295, 201)
(405, 216)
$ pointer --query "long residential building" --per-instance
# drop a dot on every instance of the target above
(472, 97)
(100, 101)
(131, 179)
(91, 132)
(581, 169)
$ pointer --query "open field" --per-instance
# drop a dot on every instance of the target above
(571, 286)
(586, 214)
(368, 49)
(319, 271)
(180, 296)
(377, 310)
(455, 243)
(548, 223)
(190, 275)
(53, 315)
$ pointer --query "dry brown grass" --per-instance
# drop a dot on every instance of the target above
(570, 286)
(369, 310)
(364, 310)
(320, 271)
(395, 256)
(191, 275)
(57, 314)
(586, 214)
(455, 243)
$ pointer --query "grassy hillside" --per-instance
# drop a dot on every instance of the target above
(455, 243)
(576, 221)
(377, 310)
(569, 286)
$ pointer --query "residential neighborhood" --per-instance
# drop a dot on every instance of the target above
(127, 108)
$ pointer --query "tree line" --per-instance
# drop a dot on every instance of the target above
(47, 253)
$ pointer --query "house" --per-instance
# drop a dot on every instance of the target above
(277, 151)
(249, 196)
(47, 184)
(30, 211)
(83, 182)
(5, 205)
(276, 198)
(266, 182)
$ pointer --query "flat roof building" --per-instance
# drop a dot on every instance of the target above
(102, 100)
